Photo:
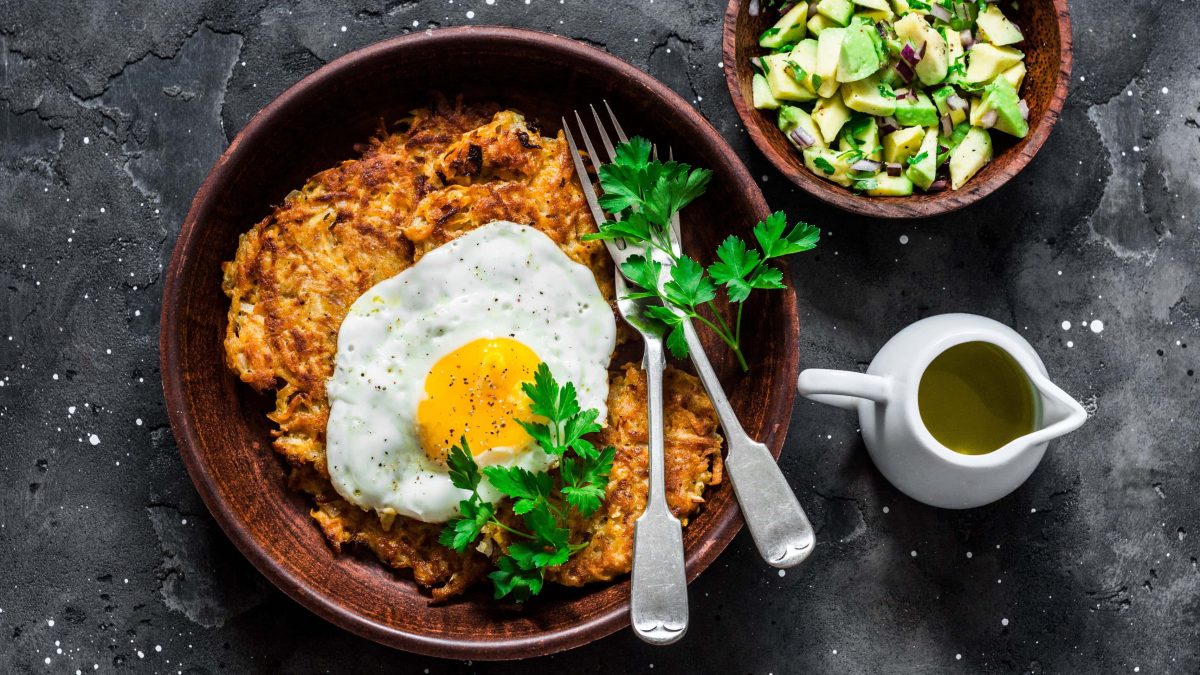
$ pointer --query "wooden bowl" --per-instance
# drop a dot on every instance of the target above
(220, 424)
(1047, 46)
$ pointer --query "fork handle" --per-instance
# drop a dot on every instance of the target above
(781, 531)
(658, 602)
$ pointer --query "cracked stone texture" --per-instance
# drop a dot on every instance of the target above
(112, 113)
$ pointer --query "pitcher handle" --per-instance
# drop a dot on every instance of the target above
(842, 388)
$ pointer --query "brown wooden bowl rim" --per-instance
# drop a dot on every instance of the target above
(917, 206)
(727, 522)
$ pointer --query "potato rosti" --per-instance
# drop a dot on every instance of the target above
(441, 172)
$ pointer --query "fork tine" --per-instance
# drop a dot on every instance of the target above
(612, 154)
(589, 191)
(587, 141)
(615, 123)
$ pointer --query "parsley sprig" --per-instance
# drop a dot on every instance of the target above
(641, 196)
(544, 501)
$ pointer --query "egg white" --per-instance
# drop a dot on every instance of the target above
(499, 280)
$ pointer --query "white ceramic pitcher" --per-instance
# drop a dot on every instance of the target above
(896, 438)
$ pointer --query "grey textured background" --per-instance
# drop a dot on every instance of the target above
(112, 113)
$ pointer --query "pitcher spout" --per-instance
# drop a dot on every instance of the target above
(1061, 414)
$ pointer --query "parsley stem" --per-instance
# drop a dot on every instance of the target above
(510, 530)
(737, 334)
(728, 339)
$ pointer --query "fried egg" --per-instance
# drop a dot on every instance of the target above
(440, 351)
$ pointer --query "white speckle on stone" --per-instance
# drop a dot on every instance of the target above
(1070, 344)
(886, 509)
(970, 555)
(1137, 148)
(158, 648)
(343, 30)
(50, 622)
(903, 239)
(913, 553)
(137, 312)
(1066, 325)
(94, 440)
(141, 654)
(470, 14)
(1096, 325)
(54, 376)
(87, 140)
(47, 660)
(958, 657)
(782, 573)
(138, 421)
(1003, 622)
(71, 410)
(101, 209)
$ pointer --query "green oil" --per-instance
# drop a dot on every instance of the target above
(974, 398)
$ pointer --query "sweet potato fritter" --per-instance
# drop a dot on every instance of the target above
(443, 171)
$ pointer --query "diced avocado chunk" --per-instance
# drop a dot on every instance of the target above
(790, 28)
(876, 15)
(977, 112)
(861, 54)
(804, 60)
(763, 98)
(829, 53)
(891, 186)
(995, 28)
(923, 170)
(932, 67)
(830, 114)
(861, 135)
(954, 48)
(792, 118)
(970, 156)
(1001, 97)
(828, 164)
(985, 61)
(918, 111)
(838, 11)
(904, 7)
(819, 23)
(1015, 75)
(781, 78)
(865, 97)
(940, 100)
(874, 4)
(900, 145)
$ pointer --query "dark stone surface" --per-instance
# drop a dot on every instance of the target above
(113, 112)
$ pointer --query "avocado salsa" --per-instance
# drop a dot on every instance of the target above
(884, 96)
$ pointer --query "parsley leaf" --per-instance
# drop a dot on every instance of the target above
(824, 165)
(917, 160)
(543, 501)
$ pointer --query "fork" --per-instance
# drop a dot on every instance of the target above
(658, 597)
(780, 529)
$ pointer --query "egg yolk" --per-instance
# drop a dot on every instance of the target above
(475, 391)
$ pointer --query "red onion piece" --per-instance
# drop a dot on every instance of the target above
(943, 149)
(909, 54)
(786, 8)
(901, 92)
(989, 119)
(757, 63)
(1024, 110)
(802, 138)
(956, 102)
(887, 125)
(905, 71)
(947, 125)
(894, 169)
(866, 165)
(812, 9)
(881, 30)
(939, 12)
(968, 40)
(938, 185)
(753, 9)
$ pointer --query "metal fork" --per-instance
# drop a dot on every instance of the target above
(780, 529)
(658, 598)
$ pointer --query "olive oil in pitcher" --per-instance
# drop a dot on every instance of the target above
(974, 398)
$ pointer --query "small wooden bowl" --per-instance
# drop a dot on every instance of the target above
(220, 423)
(1047, 46)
